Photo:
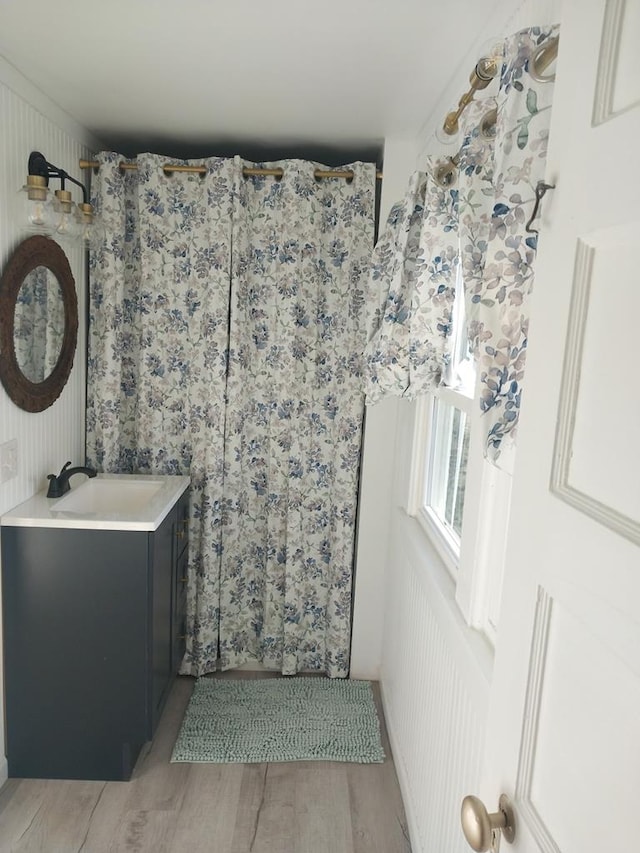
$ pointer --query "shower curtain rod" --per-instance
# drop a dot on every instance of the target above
(541, 59)
(486, 69)
(168, 168)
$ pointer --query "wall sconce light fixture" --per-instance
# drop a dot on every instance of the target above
(56, 215)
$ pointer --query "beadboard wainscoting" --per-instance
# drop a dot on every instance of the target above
(46, 440)
(435, 689)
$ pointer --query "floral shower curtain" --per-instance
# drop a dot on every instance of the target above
(301, 249)
(488, 204)
(159, 296)
(241, 368)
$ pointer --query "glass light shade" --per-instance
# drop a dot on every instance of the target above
(37, 210)
(65, 215)
(91, 230)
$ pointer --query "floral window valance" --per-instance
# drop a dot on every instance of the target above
(478, 222)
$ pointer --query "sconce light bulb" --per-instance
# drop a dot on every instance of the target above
(37, 214)
(37, 207)
(65, 216)
(66, 226)
(91, 231)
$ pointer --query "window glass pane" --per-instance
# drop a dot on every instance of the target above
(448, 466)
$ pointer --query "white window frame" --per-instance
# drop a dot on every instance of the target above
(484, 535)
(476, 568)
(424, 431)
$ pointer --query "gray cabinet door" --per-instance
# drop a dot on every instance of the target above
(75, 614)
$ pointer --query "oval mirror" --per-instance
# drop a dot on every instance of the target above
(38, 323)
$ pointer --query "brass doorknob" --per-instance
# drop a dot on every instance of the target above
(479, 826)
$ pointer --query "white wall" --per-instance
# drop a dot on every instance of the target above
(377, 468)
(435, 672)
(28, 121)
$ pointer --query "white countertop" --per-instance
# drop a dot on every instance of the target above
(40, 511)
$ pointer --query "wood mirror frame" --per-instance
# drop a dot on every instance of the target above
(31, 253)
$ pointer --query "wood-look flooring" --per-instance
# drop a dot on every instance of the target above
(293, 807)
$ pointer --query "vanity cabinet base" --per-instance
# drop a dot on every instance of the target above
(89, 648)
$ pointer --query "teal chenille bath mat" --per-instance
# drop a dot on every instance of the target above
(280, 719)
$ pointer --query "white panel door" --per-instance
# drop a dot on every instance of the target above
(564, 733)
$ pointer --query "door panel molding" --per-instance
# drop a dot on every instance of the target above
(608, 100)
(578, 719)
(560, 484)
(537, 662)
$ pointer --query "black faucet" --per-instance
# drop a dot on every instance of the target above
(60, 485)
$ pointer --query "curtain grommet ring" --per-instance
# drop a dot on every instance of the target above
(445, 173)
(541, 58)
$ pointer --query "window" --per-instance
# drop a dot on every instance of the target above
(461, 500)
(448, 468)
(444, 435)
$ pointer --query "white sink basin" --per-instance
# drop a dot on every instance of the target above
(105, 502)
(99, 495)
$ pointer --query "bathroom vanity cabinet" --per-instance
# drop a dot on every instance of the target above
(93, 637)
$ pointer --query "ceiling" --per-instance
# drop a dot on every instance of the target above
(214, 75)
